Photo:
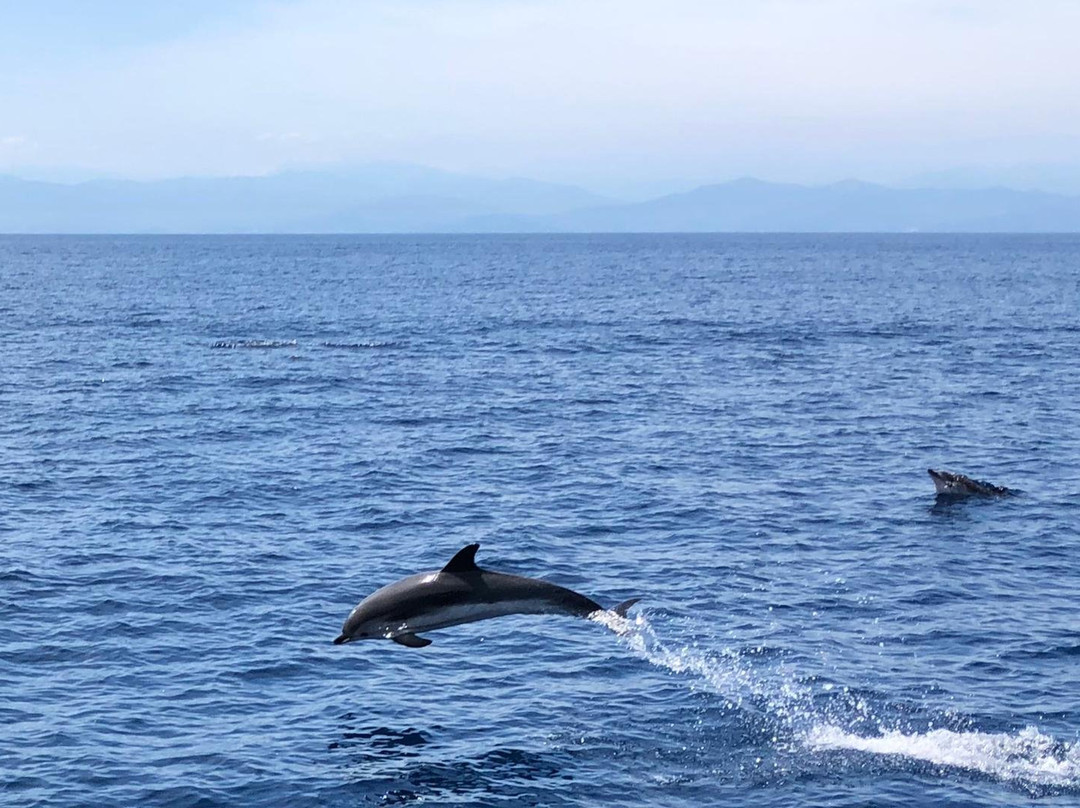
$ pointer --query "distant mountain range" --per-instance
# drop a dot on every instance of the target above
(414, 199)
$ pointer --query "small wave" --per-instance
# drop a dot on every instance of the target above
(254, 343)
(144, 321)
(409, 420)
(468, 450)
(382, 740)
(1027, 757)
(1055, 652)
(19, 575)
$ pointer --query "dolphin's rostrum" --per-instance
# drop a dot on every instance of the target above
(460, 592)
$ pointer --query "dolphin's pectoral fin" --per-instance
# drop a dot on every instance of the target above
(463, 561)
(410, 640)
(624, 607)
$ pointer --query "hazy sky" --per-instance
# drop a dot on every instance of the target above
(585, 90)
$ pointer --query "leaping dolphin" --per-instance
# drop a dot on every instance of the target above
(460, 592)
(957, 485)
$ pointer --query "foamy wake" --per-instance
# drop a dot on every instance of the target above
(1028, 757)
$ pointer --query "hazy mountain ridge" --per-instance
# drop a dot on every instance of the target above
(382, 198)
(402, 198)
(754, 206)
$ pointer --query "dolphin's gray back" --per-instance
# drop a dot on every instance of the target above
(484, 586)
(959, 485)
(550, 598)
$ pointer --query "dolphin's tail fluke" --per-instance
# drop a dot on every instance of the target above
(624, 607)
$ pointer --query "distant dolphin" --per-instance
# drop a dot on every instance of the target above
(957, 485)
(460, 592)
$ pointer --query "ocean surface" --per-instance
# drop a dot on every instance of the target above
(213, 447)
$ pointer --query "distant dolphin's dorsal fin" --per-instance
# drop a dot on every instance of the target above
(464, 561)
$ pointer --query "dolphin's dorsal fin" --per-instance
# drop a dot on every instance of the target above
(464, 561)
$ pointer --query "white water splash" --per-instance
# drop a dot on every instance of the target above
(1027, 757)
(725, 673)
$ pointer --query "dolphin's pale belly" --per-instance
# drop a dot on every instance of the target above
(456, 614)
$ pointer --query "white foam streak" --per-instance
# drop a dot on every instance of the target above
(1027, 757)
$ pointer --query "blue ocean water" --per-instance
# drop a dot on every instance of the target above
(213, 447)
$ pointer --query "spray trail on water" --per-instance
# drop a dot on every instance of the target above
(1028, 757)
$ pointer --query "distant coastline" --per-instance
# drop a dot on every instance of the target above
(419, 200)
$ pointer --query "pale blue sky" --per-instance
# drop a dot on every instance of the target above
(594, 91)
